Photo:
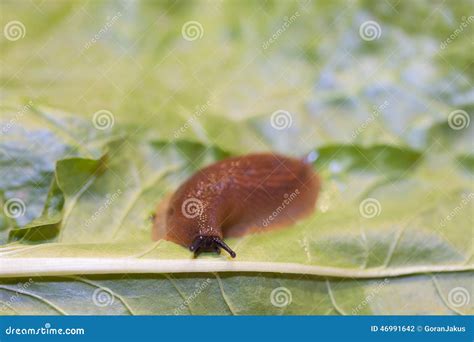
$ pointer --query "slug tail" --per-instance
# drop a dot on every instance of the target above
(158, 219)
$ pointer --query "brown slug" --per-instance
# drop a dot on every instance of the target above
(235, 196)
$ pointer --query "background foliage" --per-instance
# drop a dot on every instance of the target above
(378, 112)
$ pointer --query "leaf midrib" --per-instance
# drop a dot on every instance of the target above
(18, 267)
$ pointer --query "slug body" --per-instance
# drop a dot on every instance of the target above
(239, 195)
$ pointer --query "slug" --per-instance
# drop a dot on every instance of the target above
(236, 196)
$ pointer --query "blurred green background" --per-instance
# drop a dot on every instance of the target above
(130, 57)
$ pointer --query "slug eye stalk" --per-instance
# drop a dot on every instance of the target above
(209, 244)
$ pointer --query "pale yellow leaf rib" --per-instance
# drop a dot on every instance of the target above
(183, 297)
(224, 296)
(17, 267)
(440, 294)
(41, 299)
(116, 295)
(333, 299)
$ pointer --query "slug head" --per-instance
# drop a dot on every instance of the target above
(209, 244)
(183, 229)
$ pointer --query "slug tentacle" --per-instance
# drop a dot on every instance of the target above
(223, 245)
(209, 243)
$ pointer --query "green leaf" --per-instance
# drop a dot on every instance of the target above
(105, 229)
(392, 231)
